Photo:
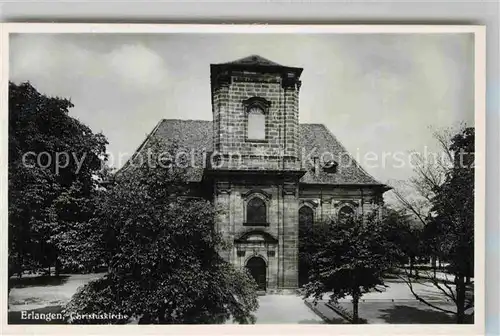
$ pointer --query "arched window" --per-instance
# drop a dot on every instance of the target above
(256, 126)
(345, 213)
(306, 216)
(256, 211)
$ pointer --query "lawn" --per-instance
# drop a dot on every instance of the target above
(396, 304)
(402, 312)
(43, 294)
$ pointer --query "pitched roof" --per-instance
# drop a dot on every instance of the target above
(254, 60)
(195, 136)
(255, 63)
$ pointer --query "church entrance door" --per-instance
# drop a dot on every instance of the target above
(257, 268)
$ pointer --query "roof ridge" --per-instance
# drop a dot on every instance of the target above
(254, 59)
(177, 119)
(207, 120)
(196, 133)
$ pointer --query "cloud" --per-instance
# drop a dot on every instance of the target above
(374, 91)
(49, 58)
(137, 65)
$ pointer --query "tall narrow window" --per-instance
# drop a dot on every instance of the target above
(306, 216)
(256, 126)
(256, 211)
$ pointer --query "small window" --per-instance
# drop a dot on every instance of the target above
(256, 211)
(346, 213)
(306, 216)
(256, 124)
(330, 166)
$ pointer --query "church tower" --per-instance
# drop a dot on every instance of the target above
(256, 170)
(255, 104)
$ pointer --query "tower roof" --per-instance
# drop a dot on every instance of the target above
(254, 63)
(255, 60)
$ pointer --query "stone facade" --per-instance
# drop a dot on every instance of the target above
(234, 90)
(270, 169)
(276, 241)
(259, 186)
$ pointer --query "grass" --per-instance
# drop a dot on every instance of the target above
(399, 313)
(402, 313)
(38, 281)
(45, 292)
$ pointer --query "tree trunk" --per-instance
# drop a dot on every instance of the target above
(57, 267)
(460, 302)
(468, 271)
(19, 266)
(162, 318)
(411, 266)
(416, 269)
(145, 319)
(50, 270)
(11, 273)
(434, 265)
(355, 306)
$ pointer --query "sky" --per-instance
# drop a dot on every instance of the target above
(377, 93)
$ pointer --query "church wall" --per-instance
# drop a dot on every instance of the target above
(283, 204)
(281, 258)
(328, 199)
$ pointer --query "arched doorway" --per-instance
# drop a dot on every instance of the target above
(257, 268)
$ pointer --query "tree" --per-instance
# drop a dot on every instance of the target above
(404, 232)
(162, 251)
(416, 195)
(352, 260)
(311, 242)
(454, 208)
(50, 155)
(449, 229)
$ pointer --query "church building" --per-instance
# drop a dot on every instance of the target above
(266, 173)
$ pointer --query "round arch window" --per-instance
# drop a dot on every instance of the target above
(256, 211)
(345, 214)
(306, 216)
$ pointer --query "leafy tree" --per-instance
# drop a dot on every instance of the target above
(416, 195)
(449, 229)
(454, 207)
(311, 242)
(433, 244)
(51, 154)
(351, 260)
(405, 232)
(162, 251)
